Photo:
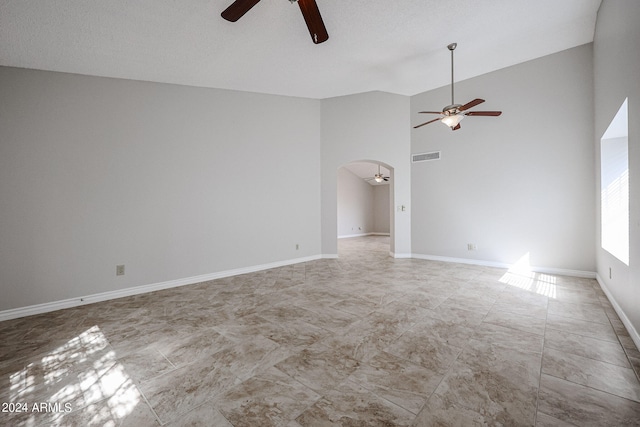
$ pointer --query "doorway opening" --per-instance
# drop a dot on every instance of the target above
(364, 207)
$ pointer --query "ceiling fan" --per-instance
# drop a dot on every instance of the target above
(451, 115)
(309, 10)
(378, 177)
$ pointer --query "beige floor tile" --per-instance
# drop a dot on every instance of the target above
(318, 367)
(580, 327)
(495, 381)
(589, 312)
(602, 376)
(584, 406)
(205, 414)
(351, 404)
(528, 324)
(182, 389)
(404, 383)
(605, 351)
(270, 398)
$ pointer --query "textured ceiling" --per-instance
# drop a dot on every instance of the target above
(392, 46)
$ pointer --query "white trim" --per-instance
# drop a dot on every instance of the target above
(329, 256)
(399, 256)
(546, 270)
(633, 333)
(346, 236)
(15, 313)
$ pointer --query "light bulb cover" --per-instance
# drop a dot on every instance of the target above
(378, 178)
(453, 120)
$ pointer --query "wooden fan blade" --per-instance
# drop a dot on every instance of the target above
(483, 113)
(426, 123)
(386, 178)
(430, 112)
(312, 17)
(457, 127)
(237, 9)
(471, 104)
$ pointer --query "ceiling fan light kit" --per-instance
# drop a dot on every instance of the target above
(452, 121)
(309, 9)
(453, 114)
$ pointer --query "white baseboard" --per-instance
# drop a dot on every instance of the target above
(546, 270)
(329, 256)
(633, 333)
(136, 290)
(399, 256)
(346, 236)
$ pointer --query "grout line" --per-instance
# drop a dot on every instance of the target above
(595, 389)
(544, 340)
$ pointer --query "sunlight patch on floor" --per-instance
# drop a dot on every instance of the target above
(82, 373)
(521, 276)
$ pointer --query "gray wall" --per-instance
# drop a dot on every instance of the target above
(355, 204)
(616, 77)
(515, 184)
(171, 181)
(362, 208)
(381, 208)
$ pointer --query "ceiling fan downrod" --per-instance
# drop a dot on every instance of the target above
(452, 47)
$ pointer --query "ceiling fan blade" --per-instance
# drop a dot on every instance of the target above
(386, 178)
(237, 9)
(483, 113)
(430, 112)
(456, 127)
(471, 104)
(312, 17)
(426, 123)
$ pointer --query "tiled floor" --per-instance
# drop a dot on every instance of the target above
(365, 340)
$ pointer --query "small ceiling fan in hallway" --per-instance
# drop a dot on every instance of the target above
(379, 177)
(451, 115)
(309, 10)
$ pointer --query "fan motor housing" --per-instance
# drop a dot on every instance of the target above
(451, 110)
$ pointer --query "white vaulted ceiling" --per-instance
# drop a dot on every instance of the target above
(393, 46)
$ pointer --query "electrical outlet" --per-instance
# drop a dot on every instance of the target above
(472, 247)
(297, 246)
(120, 270)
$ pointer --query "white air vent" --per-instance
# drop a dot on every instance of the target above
(425, 157)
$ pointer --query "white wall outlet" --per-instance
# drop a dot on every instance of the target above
(120, 270)
(472, 247)
(297, 246)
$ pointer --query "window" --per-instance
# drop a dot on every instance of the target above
(614, 186)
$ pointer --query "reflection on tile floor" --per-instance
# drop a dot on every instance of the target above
(360, 340)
